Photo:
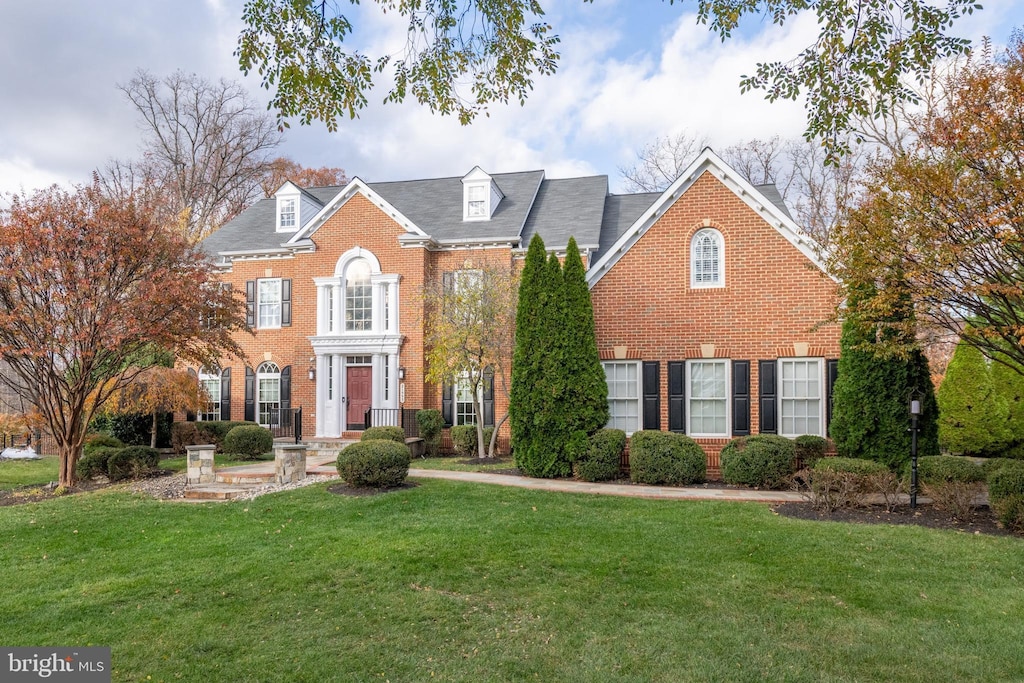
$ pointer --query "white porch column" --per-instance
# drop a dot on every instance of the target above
(322, 419)
(393, 381)
(377, 362)
(339, 305)
(393, 313)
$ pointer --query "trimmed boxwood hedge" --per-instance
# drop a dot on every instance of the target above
(1006, 495)
(850, 465)
(665, 458)
(938, 469)
(248, 442)
(390, 433)
(760, 461)
(132, 462)
(464, 439)
(94, 462)
(100, 440)
(809, 448)
(602, 458)
(378, 463)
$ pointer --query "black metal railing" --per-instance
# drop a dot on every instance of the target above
(286, 422)
(393, 417)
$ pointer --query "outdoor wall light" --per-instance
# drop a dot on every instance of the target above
(312, 369)
(401, 372)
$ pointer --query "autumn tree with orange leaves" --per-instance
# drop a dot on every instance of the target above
(90, 285)
(946, 212)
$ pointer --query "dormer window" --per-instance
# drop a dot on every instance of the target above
(476, 201)
(480, 196)
(287, 213)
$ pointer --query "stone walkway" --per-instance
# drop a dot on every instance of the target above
(244, 478)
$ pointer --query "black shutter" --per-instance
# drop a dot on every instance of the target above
(740, 397)
(652, 395)
(191, 417)
(766, 372)
(250, 395)
(286, 302)
(831, 373)
(488, 398)
(447, 412)
(250, 303)
(286, 388)
(225, 394)
(677, 397)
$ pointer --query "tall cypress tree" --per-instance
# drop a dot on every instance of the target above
(1008, 381)
(973, 416)
(526, 361)
(586, 388)
(870, 400)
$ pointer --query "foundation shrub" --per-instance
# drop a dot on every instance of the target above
(430, 423)
(836, 483)
(760, 461)
(464, 439)
(132, 462)
(665, 458)
(389, 433)
(600, 461)
(1006, 495)
(248, 442)
(809, 449)
(953, 483)
(378, 463)
(991, 465)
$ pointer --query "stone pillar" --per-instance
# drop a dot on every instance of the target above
(200, 464)
(289, 463)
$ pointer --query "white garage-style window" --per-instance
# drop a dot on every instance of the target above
(801, 406)
(268, 397)
(707, 259)
(623, 380)
(707, 393)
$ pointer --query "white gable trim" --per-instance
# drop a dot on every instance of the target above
(712, 163)
(356, 186)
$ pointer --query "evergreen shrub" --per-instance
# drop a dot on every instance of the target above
(94, 441)
(464, 439)
(601, 461)
(973, 417)
(837, 483)
(1006, 495)
(94, 462)
(990, 465)
(379, 463)
(759, 461)
(390, 433)
(248, 442)
(430, 423)
(937, 469)
(665, 458)
(132, 462)
(809, 449)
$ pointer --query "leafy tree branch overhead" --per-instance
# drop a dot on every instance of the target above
(462, 55)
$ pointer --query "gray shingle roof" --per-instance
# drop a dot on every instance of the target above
(620, 212)
(572, 207)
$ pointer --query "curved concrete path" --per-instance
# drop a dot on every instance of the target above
(631, 490)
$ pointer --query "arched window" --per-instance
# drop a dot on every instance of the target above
(268, 394)
(358, 296)
(707, 263)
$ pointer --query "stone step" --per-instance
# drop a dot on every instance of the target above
(242, 478)
(214, 492)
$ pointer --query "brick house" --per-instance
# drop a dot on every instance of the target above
(709, 301)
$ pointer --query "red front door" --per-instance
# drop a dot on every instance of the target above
(359, 381)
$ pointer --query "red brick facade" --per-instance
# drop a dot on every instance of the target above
(774, 303)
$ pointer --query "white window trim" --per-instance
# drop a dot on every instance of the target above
(280, 303)
(295, 210)
(485, 187)
(821, 393)
(721, 260)
(209, 377)
(639, 393)
(728, 398)
(266, 375)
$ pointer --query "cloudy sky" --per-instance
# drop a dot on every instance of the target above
(626, 77)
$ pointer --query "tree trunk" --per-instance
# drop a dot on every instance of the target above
(478, 412)
(68, 459)
(494, 436)
(152, 438)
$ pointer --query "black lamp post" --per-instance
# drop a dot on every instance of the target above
(915, 412)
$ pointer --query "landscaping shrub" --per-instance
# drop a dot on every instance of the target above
(248, 442)
(1006, 495)
(185, 434)
(464, 439)
(396, 434)
(94, 441)
(973, 417)
(837, 483)
(601, 460)
(991, 465)
(379, 463)
(94, 461)
(430, 423)
(760, 461)
(132, 462)
(809, 449)
(953, 483)
(665, 458)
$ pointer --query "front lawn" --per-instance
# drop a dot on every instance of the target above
(459, 582)
(180, 463)
(459, 463)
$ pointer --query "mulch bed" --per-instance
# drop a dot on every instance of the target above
(343, 489)
(37, 493)
(982, 522)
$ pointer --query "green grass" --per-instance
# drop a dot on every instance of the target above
(15, 473)
(458, 582)
(455, 463)
(180, 463)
